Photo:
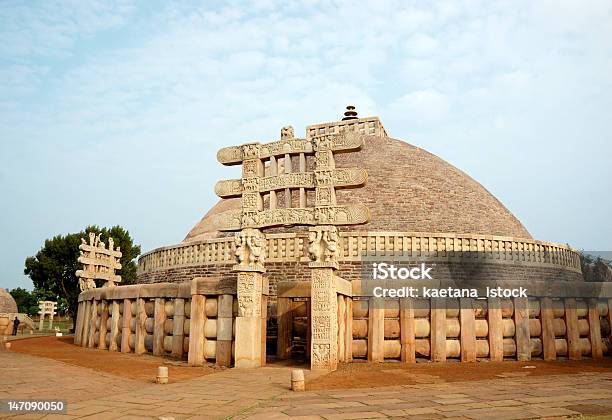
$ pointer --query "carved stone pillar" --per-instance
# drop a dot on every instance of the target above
(324, 320)
(323, 246)
(248, 346)
(250, 255)
(323, 298)
(250, 251)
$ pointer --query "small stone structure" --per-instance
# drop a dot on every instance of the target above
(46, 307)
(8, 312)
(7, 302)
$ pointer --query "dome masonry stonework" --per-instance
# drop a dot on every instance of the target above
(416, 201)
(408, 189)
(7, 303)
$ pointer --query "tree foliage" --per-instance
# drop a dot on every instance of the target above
(53, 268)
(595, 268)
(27, 302)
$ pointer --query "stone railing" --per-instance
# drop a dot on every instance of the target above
(467, 329)
(565, 321)
(161, 319)
(354, 246)
(212, 251)
(370, 126)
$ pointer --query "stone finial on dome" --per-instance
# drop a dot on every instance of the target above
(350, 113)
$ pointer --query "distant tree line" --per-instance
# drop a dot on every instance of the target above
(27, 302)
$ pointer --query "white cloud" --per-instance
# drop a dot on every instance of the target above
(54, 28)
(421, 44)
(429, 105)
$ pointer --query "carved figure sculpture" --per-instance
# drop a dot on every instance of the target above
(330, 238)
(314, 245)
(86, 284)
(256, 245)
(287, 132)
(241, 250)
(250, 248)
(323, 244)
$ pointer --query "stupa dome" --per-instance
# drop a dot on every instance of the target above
(408, 190)
(7, 303)
(418, 203)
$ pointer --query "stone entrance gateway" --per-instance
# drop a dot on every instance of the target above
(258, 191)
(278, 265)
(46, 308)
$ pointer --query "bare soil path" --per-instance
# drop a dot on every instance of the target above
(124, 365)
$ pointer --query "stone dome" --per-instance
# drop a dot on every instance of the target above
(7, 303)
(408, 190)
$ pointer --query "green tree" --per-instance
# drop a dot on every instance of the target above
(585, 260)
(53, 268)
(24, 299)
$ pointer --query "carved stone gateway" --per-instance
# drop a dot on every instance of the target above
(99, 262)
(267, 173)
(324, 180)
(46, 307)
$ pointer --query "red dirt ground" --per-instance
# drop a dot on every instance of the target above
(366, 375)
(142, 367)
(354, 375)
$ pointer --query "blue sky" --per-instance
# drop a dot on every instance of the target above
(112, 112)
